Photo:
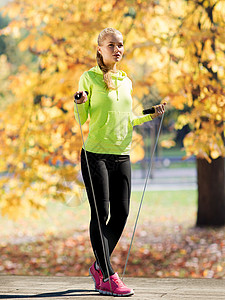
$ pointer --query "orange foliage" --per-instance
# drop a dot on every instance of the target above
(171, 44)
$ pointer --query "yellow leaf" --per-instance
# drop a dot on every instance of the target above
(215, 154)
(219, 268)
(167, 144)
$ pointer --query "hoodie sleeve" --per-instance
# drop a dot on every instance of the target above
(84, 85)
(138, 120)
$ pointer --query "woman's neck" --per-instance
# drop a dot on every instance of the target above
(112, 68)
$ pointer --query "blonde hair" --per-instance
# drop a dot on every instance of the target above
(106, 75)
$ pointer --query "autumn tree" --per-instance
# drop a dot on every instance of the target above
(181, 47)
(40, 140)
(173, 46)
(202, 87)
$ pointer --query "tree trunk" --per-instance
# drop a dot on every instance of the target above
(211, 192)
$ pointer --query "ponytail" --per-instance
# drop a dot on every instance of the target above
(106, 75)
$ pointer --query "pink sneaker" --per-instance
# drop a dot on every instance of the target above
(96, 276)
(118, 288)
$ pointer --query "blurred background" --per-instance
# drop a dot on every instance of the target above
(174, 52)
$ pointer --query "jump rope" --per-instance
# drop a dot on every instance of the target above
(146, 111)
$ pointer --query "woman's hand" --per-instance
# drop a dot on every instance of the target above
(159, 110)
(80, 97)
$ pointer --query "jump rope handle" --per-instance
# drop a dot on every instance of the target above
(78, 96)
(150, 110)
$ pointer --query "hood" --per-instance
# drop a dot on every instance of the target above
(119, 75)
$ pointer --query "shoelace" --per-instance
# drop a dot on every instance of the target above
(118, 282)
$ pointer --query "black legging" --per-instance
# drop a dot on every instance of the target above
(111, 177)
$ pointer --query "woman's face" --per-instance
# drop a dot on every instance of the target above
(112, 49)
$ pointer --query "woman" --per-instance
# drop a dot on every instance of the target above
(108, 101)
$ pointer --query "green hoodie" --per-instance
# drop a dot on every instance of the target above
(111, 118)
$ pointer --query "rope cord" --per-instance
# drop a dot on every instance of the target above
(143, 193)
(93, 193)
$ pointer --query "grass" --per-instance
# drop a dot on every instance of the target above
(159, 207)
(165, 206)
